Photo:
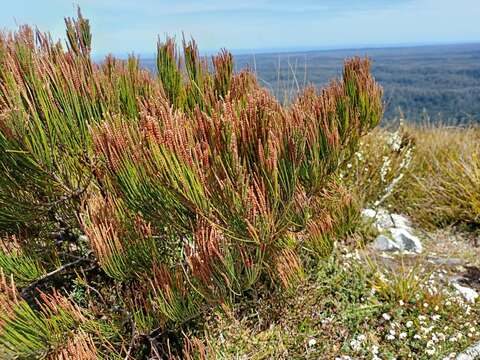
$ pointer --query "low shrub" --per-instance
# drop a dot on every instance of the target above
(146, 201)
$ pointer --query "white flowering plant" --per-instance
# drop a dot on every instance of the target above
(379, 165)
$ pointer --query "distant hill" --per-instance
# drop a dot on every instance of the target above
(441, 82)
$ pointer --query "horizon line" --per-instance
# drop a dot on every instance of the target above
(302, 49)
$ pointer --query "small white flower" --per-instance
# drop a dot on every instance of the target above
(386, 316)
(374, 349)
(427, 330)
(430, 351)
(312, 342)
(390, 337)
(402, 335)
(409, 324)
(417, 337)
(355, 345)
(401, 303)
(435, 317)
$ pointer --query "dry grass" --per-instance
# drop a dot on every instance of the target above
(442, 185)
(431, 173)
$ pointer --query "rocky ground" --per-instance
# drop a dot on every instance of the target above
(408, 294)
(452, 254)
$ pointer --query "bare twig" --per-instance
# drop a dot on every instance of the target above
(89, 287)
(132, 341)
(53, 273)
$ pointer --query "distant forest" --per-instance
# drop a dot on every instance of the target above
(440, 83)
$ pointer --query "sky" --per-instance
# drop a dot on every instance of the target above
(132, 26)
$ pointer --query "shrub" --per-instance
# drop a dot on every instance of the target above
(165, 196)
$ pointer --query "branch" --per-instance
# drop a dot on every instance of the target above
(47, 276)
(132, 341)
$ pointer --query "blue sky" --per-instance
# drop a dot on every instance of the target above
(124, 26)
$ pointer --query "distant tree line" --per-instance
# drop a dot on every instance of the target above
(436, 83)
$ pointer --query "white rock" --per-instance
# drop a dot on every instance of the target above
(312, 342)
(383, 220)
(399, 236)
(369, 213)
(469, 294)
(400, 221)
(83, 238)
(472, 353)
(406, 240)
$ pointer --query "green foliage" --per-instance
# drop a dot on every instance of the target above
(27, 332)
(168, 72)
(24, 268)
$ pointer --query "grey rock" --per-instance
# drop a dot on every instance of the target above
(472, 353)
(369, 213)
(384, 220)
(446, 261)
(398, 234)
(398, 240)
(383, 243)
